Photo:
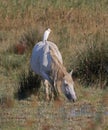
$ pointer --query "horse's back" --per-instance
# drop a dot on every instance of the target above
(41, 56)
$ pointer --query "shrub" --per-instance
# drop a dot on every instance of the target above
(30, 37)
(10, 62)
(90, 63)
(29, 83)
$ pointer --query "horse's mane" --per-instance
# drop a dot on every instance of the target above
(58, 71)
(56, 66)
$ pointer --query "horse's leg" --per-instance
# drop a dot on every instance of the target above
(59, 87)
(45, 76)
(47, 89)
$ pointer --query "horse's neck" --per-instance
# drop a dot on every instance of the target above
(57, 67)
(58, 70)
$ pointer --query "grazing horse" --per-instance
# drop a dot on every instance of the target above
(46, 61)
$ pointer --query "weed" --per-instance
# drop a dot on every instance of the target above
(11, 61)
(91, 62)
(30, 37)
(29, 83)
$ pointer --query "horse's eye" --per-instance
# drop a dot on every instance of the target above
(66, 84)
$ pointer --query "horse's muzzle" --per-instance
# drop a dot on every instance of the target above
(70, 98)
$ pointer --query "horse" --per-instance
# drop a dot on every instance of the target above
(46, 61)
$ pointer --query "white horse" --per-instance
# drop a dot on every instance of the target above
(46, 61)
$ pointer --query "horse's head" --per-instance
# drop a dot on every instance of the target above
(68, 87)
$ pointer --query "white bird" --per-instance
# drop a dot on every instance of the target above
(46, 34)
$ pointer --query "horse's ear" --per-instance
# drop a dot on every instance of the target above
(71, 72)
(65, 81)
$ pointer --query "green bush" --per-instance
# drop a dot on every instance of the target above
(11, 61)
(90, 63)
(30, 37)
(29, 83)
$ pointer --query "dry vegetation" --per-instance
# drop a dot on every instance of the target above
(80, 30)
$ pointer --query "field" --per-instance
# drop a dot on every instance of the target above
(80, 30)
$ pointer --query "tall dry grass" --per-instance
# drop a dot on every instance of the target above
(75, 26)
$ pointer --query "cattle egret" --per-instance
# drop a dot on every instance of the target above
(46, 34)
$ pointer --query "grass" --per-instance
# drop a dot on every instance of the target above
(55, 115)
(90, 64)
(28, 84)
(79, 28)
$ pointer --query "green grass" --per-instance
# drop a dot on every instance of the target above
(79, 28)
